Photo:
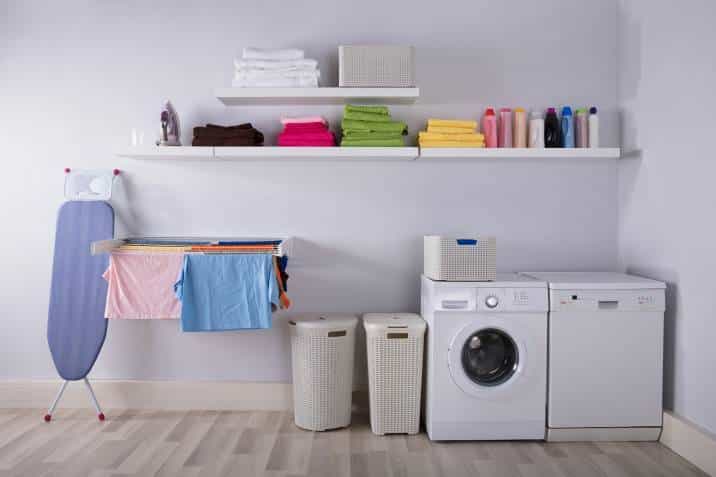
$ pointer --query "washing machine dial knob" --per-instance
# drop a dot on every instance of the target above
(491, 301)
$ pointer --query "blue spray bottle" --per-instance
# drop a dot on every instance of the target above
(567, 127)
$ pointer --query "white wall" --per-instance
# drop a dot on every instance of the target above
(666, 187)
(78, 76)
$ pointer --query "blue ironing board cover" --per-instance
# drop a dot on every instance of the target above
(76, 326)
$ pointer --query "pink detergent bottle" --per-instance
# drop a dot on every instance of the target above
(504, 130)
(489, 128)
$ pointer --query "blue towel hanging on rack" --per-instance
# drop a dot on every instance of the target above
(224, 292)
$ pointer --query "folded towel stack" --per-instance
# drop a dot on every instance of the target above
(451, 133)
(275, 68)
(215, 135)
(306, 131)
(371, 126)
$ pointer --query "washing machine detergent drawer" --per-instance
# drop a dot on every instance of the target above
(605, 359)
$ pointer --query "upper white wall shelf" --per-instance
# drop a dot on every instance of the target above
(326, 95)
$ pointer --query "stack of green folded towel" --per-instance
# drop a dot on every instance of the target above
(371, 126)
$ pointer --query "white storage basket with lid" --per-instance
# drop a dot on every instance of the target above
(322, 352)
(395, 344)
(464, 258)
(376, 66)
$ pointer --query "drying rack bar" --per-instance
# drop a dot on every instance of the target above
(283, 248)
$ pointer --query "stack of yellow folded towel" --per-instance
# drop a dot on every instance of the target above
(451, 133)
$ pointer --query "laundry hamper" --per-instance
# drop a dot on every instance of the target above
(322, 349)
(395, 371)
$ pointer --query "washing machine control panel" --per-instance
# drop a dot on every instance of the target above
(511, 299)
(485, 297)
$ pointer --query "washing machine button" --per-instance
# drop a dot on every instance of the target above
(492, 301)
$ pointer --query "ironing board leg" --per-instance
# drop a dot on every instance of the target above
(48, 416)
(100, 414)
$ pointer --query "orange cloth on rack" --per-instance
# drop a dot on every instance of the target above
(283, 298)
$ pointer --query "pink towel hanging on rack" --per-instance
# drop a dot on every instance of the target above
(141, 285)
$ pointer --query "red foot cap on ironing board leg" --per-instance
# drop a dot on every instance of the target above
(115, 172)
(47, 418)
(67, 170)
(101, 416)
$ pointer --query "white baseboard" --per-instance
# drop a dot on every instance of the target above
(690, 442)
(171, 395)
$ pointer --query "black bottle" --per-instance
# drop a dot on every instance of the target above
(552, 129)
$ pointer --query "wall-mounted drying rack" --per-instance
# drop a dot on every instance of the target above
(280, 247)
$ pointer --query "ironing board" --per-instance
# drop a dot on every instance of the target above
(76, 326)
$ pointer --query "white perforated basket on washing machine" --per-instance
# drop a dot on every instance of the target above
(395, 345)
(457, 259)
(322, 351)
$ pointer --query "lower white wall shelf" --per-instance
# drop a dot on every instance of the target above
(335, 154)
(275, 154)
(168, 152)
(367, 154)
(473, 154)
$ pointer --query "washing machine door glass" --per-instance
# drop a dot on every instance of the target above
(489, 357)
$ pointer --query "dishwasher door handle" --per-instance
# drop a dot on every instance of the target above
(608, 304)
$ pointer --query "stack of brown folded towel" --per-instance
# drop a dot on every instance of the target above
(215, 135)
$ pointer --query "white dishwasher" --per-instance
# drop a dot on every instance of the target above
(605, 344)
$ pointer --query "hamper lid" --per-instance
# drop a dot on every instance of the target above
(381, 321)
(323, 320)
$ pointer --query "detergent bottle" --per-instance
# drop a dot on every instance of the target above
(552, 129)
(489, 128)
(567, 127)
(536, 133)
(593, 127)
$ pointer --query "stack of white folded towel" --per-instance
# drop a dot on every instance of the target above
(279, 68)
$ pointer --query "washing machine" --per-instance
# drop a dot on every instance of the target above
(486, 358)
(606, 334)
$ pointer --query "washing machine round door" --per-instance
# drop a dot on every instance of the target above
(486, 359)
(489, 357)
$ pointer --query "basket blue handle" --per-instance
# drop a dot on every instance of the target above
(466, 242)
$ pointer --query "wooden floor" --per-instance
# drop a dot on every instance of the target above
(209, 443)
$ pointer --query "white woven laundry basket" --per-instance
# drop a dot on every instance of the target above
(395, 371)
(322, 350)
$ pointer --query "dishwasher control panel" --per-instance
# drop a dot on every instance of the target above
(607, 300)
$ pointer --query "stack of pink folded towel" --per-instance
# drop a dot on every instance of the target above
(306, 131)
